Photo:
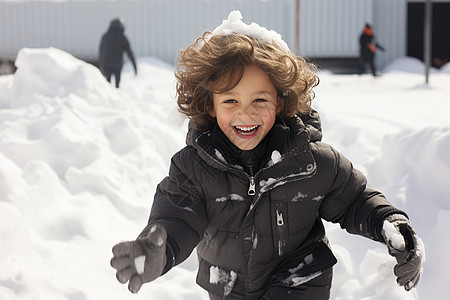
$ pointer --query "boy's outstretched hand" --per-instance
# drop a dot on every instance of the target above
(142, 260)
(404, 244)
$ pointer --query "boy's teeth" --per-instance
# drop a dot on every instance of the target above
(246, 128)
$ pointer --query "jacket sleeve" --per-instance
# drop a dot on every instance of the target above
(130, 53)
(178, 206)
(350, 203)
(379, 47)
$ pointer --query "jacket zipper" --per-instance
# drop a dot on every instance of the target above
(252, 185)
(280, 226)
(280, 221)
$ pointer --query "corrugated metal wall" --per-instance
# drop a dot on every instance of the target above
(155, 27)
(331, 28)
(328, 28)
(390, 20)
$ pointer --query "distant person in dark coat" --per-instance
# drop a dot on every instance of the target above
(113, 44)
(368, 45)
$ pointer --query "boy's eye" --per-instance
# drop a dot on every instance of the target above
(230, 101)
(260, 100)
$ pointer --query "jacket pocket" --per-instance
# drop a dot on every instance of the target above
(215, 279)
(304, 266)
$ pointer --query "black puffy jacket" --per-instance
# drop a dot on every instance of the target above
(251, 230)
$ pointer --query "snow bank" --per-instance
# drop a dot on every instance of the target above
(407, 65)
(445, 68)
(80, 160)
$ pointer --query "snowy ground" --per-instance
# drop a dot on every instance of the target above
(80, 160)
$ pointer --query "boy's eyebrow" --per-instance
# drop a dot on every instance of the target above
(230, 93)
(264, 92)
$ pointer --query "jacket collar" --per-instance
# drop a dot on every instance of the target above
(289, 137)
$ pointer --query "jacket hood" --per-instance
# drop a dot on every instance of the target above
(313, 125)
(117, 26)
(288, 136)
(368, 31)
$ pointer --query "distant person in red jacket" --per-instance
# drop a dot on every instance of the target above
(113, 44)
(368, 46)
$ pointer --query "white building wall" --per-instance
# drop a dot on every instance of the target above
(390, 26)
(155, 27)
(331, 28)
(328, 28)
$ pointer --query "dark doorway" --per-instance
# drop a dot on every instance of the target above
(440, 37)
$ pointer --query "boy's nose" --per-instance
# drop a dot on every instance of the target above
(247, 116)
(259, 111)
(249, 110)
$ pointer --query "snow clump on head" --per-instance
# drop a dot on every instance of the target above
(234, 25)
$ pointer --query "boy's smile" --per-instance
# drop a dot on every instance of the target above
(247, 112)
(246, 131)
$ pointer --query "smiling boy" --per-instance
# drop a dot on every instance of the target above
(254, 182)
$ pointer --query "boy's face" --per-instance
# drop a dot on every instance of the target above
(247, 112)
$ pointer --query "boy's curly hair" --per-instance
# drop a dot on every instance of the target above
(215, 63)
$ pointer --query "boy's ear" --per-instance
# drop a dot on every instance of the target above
(280, 105)
(211, 111)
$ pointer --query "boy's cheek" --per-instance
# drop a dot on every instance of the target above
(266, 108)
(268, 112)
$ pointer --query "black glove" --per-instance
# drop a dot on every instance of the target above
(142, 260)
(403, 244)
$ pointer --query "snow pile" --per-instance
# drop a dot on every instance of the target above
(445, 68)
(408, 65)
(80, 161)
(67, 76)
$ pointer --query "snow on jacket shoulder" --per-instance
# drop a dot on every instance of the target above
(245, 241)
